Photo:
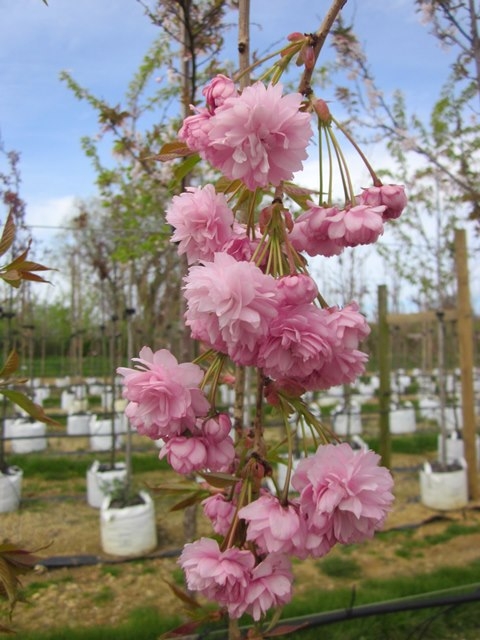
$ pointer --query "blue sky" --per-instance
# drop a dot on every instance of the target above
(101, 42)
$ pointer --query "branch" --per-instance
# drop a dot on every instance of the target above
(320, 36)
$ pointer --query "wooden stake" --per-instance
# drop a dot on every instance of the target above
(384, 370)
(465, 343)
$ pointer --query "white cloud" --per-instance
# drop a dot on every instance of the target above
(46, 218)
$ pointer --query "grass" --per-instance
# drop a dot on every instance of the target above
(420, 442)
(144, 623)
(434, 623)
(61, 467)
(339, 567)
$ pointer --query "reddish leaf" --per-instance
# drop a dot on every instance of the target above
(11, 365)
(183, 596)
(173, 150)
(194, 498)
(219, 480)
(8, 235)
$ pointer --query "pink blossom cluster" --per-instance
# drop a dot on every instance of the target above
(344, 497)
(326, 231)
(165, 402)
(249, 297)
(234, 579)
(273, 323)
(258, 136)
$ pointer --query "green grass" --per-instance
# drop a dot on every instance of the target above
(415, 443)
(58, 468)
(443, 623)
(111, 570)
(460, 622)
(104, 595)
(339, 567)
(144, 623)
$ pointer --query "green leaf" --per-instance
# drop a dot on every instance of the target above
(185, 167)
(24, 402)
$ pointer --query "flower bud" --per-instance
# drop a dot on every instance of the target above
(322, 111)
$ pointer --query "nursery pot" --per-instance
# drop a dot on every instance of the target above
(455, 448)
(347, 424)
(10, 489)
(129, 530)
(444, 489)
(102, 481)
(402, 420)
(101, 435)
(28, 436)
(78, 424)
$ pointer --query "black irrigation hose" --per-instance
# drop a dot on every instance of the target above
(378, 608)
(311, 621)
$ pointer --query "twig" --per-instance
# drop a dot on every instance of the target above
(319, 40)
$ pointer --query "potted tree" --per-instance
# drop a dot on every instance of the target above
(18, 269)
(105, 477)
(127, 516)
(443, 483)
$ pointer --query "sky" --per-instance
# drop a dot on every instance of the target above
(102, 42)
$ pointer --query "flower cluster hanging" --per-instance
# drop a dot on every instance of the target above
(250, 302)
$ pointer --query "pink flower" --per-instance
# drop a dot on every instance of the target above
(230, 305)
(344, 368)
(346, 362)
(273, 527)
(164, 398)
(218, 443)
(194, 131)
(270, 585)
(217, 91)
(185, 454)
(260, 136)
(344, 494)
(357, 225)
(297, 288)
(350, 325)
(392, 196)
(220, 512)
(221, 576)
(311, 232)
(240, 246)
(202, 220)
(298, 342)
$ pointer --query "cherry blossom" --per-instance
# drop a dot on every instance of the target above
(344, 494)
(221, 576)
(259, 136)
(275, 528)
(270, 585)
(202, 222)
(392, 196)
(230, 304)
(164, 396)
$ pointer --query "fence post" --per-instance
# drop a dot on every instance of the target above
(465, 345)
(384, 371)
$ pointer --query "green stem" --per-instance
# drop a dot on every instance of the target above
(376, 181)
